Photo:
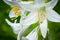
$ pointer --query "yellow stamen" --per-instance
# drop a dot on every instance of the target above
(41, 16)
(17, 12)
(16, 9)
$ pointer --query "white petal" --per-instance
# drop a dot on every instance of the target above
(19, 35)
(31, 18)
(23, 5)
(53, 16)
(11, 2)
(39, 1)
(15, 26)
(28, 20)
(29, 7)
(33, 35)
(26, 2)
(12, 14)
(43, 28)
(52, 3)
(23, 38)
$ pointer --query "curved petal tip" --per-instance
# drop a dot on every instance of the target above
(43, 28)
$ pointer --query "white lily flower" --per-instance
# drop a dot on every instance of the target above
(43, 12)
(15, 12)
(17, 27)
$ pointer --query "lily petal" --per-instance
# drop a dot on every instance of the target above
(15, 26)
(43, 28)
(53, 16)
(33, 35)
(19, 35)
(29, 7)
(23, 38)
(39, 1)
(12, 2)
(28, 20)
(52, 3)
(12, 14)
(18, 3)
(31, 18)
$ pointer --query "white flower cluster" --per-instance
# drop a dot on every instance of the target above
(39, 11)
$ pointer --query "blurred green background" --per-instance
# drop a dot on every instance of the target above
(6, 32)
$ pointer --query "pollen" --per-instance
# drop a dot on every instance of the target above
(41, 16)
(17, 11)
